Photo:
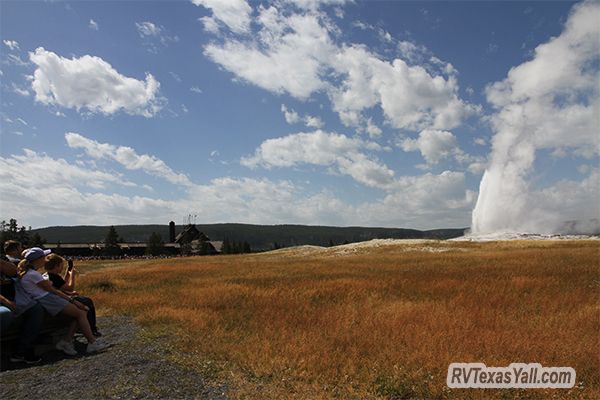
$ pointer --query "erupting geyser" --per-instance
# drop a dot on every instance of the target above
(551, 104)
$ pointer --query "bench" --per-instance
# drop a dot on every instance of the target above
(53, 329)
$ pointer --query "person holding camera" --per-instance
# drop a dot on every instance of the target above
(54, 268)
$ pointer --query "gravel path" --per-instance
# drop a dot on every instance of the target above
(132, 368)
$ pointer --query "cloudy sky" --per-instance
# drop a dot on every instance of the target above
(329, 112)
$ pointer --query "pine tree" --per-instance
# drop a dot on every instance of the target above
(155, 244)
(226, 248)
(111, 242)
(37, 240)
(246, 248)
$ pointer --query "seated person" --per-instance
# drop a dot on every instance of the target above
(13, 249)
(54, 267)
(54, 301)
(14, 303)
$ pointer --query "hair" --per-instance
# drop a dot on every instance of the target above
(11, 245)
(23, 267)
(53, 261)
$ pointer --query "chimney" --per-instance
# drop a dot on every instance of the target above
(171, 232)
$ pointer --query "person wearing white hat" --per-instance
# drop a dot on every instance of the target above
(54, 301)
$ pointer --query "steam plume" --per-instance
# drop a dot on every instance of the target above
(550, 102)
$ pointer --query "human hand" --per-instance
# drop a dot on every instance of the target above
(81, 306)
(10, 304)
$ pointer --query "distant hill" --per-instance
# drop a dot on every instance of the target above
(260, 237)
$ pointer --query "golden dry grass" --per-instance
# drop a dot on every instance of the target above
(379, 322)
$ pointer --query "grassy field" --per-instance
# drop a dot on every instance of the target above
(369, 322)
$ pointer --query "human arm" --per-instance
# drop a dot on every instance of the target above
(8, 268)
(69, 285)
(6, 302)
(47, 286)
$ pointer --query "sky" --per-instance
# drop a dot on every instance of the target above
(320, 112)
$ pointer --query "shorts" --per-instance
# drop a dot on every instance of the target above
(53, 303)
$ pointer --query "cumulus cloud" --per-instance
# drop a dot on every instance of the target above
(71, 190)
(427, 201)
(92, 84)
(346, 155)
(548, 102)
(286, 58)
(434, 145)
(296, 53)
(11, 44)
(235, 14)
(127, 157)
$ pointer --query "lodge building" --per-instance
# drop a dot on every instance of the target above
(190, 241)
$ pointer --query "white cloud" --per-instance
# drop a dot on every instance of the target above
(316, 4)
(338, 151)
(372, 129)
(91, 83)
(11, 44)
(480, 141)
(409, 96)
(196, 89)
(426, 201)
(74, 192)
(127, 157)
(235, 14)
(296, 53)
(93, 25)
(548, 102)
(148, 29)
(313, 122)
(434, 145)
(291, 116)
(286, 58)
(151, 33)
(52, 172)
(16, 60)
(20, 91)
(21, 120)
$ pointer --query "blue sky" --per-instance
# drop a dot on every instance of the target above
(376, 113)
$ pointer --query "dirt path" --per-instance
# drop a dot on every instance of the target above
(133, 368)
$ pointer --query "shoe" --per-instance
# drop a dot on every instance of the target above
(66, 347)
(97, 346)
(32, 359)
(17, 358)
(96, 333)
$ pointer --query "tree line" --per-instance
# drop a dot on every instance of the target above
(11, 231)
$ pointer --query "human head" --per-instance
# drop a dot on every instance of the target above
(13, 248)
(54, 263)
(36, 256)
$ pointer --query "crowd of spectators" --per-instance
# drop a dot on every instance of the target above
(34, 296)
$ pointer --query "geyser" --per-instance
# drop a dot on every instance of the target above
(549, 103)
